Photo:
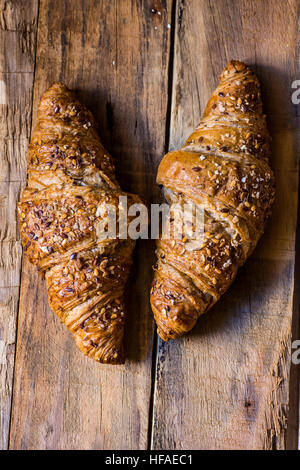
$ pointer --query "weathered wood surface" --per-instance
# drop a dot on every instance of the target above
(17, 40)
(116, 54)
(293, 431)
(226, 384)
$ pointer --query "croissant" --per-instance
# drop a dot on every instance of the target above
(71, 181)
(223, 167)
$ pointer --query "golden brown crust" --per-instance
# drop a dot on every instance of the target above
(70, 180)
(224, 168)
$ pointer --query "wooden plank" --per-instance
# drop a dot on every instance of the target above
(293, 431)
(225, 385)
(17, 39)
(116, 55)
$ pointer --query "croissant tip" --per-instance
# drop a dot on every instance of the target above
(236, 63)
(56, 89)
(233, 66)
(162, 335)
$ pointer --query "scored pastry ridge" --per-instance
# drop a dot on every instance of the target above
(71, 179)
(223, 167)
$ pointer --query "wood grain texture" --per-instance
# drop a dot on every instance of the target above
(115, 53)
(293, 430)
(225, 385)
(17, 39)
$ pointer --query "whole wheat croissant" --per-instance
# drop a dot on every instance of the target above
(71, 179)
(224, 167)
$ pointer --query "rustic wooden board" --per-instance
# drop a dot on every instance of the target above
(116, 54)
(17, 39)
(293, 431)
(226, 384)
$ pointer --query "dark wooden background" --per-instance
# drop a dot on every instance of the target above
(146, 69)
